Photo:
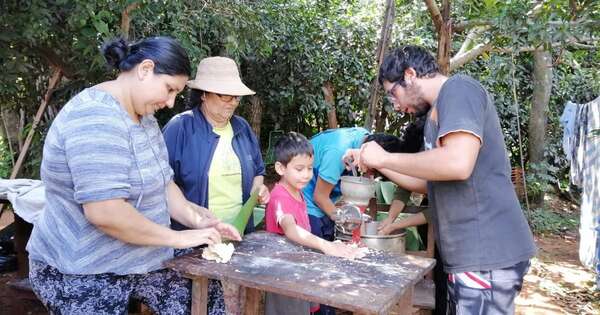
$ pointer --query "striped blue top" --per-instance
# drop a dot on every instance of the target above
(94, 152)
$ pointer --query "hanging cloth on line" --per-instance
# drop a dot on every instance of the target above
(27, 197)
(582, 148)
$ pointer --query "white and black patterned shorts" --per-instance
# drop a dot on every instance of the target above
(164, 291)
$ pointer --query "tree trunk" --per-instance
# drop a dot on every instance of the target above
(386, 30)
(255, 114)
(126, 19)
(542, 86)
(445, 39)
(329, 92)
(10, 131)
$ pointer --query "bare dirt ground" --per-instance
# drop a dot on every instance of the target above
(555, 284)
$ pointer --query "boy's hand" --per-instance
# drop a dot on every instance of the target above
(343, 250)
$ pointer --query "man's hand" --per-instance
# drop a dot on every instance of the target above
(371, 156)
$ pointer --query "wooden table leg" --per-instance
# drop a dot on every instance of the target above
(253, 299)
(404, 306)
(199, 296)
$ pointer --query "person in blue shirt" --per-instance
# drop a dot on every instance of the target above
(324, 189)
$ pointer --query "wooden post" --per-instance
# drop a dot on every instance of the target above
(56, 76)
(199, 296)
(405, 305)
(253, 301)
(386, 30)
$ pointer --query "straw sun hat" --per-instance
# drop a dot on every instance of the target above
(219, 75)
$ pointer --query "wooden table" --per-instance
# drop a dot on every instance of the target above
(380, 283)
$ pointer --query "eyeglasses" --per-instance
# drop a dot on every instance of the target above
(390, 93)
(228, 98)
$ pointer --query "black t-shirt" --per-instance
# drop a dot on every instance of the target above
(479, 222)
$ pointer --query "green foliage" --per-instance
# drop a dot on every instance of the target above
(287, 51)
(5, 158)
(540, 178)
(547, 221)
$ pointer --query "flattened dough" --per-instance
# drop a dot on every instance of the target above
(220, 253)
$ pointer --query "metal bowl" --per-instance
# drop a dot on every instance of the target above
(394, 243)
(357, 189)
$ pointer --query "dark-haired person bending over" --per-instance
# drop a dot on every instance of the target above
(481, 231)
(105, 231)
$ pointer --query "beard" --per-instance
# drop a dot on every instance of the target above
(421, 109)
(416, 95)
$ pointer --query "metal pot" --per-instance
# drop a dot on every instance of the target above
(394, 243)
(357, 189)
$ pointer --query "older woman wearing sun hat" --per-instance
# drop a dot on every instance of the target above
(214, 154)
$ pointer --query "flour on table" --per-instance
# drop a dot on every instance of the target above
(220, 253)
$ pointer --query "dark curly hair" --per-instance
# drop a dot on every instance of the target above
(395, 63)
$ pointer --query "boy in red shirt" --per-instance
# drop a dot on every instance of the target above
(286, 213)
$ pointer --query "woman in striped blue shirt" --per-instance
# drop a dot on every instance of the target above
(110, 197)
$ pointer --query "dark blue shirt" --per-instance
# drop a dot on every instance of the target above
(191, 143)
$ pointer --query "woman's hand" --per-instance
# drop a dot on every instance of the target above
(339, 249)
(193, 238)
(228, 231)
(388, 229)
(204, 213)
(263, 194)
(385, 226)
